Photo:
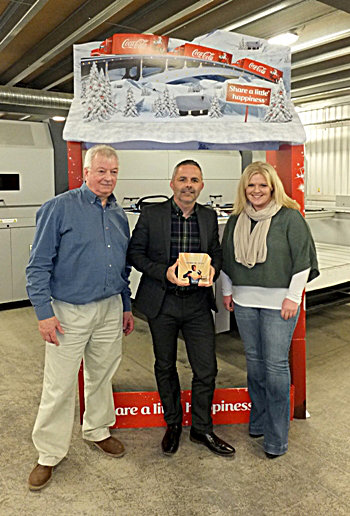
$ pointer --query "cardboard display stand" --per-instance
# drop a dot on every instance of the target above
(221, 91)
(289, 161)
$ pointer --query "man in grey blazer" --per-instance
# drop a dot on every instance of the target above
(170, 304)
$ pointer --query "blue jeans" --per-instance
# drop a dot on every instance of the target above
(266, 338)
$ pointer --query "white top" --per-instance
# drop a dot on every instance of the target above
(263, 297)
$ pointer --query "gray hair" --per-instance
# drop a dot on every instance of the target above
(186, 162)
(105, 150)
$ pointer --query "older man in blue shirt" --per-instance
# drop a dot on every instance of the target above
(77, 280)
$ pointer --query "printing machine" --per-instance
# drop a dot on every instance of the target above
(26, 181)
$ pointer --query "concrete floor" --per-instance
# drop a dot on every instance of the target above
(313, 478)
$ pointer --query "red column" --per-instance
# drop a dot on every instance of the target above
(75, 165)
(289, 163)
(75, 180)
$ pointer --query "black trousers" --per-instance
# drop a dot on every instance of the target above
(193, 316)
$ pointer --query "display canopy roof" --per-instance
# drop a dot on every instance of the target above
(221, 91)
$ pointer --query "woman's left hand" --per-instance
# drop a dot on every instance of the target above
(228, 303)
(289, 309)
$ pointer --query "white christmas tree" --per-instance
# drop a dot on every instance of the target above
(108, 91)
(215, 111)
(130, 106)
(220, 90)
(278, 109)
(194, 87)
(173, 109)
(242, 44)
(83, 92)
(165, 105)
(166, 101)
(145, 92)
(98, 99)
(159, 109)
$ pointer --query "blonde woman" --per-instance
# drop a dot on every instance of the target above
(269, 255)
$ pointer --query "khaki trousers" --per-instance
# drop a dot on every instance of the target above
(92, 332)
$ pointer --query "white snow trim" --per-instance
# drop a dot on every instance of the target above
(178, 130)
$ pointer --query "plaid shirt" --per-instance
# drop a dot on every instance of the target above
(184, 236)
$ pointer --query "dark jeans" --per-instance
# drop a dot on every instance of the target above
(193, 316)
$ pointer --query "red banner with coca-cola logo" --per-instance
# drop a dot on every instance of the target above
(199, 52)
(147, 44)
(260, 69)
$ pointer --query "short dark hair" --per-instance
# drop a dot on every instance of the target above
(186, 162)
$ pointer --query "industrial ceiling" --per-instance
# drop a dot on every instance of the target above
(36, 38)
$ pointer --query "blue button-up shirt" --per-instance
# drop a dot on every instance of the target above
(79, 252)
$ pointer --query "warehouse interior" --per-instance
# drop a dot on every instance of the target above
(312, 478)
(36, 84)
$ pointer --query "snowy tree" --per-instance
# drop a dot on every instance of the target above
(130, 106)
(278, 109)
(220, 90)
(165, 105)
(173, 109)
(104, 78)
(194, 87)
(159, 109)
(83, 91)
(145, 92)
(166, 100)
(156, 104)
(215, 111)
(242, 45)
(98, 98)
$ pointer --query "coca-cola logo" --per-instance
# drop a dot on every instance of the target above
(208, 56)
(134, 43)
(258, 68)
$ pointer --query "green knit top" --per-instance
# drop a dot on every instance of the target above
(290, 249)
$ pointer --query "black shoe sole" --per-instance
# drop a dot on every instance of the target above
(169, 454)
(231, 454)
(196, 440)
(271, 456)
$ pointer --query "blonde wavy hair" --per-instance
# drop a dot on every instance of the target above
(271, 178)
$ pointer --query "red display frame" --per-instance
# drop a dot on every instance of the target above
(289, 161)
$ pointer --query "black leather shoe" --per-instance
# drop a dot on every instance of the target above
(171, 439)
(271, 455)
(255, 436)
(212, 442)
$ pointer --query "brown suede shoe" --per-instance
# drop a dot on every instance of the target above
(111, 446)
(39, 477)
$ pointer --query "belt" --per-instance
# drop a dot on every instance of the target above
(182, 294)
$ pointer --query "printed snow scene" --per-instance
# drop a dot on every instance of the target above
(222, 88)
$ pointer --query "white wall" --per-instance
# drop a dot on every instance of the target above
(327, 151)
(149, 172)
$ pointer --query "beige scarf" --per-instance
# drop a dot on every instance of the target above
(250, 246)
